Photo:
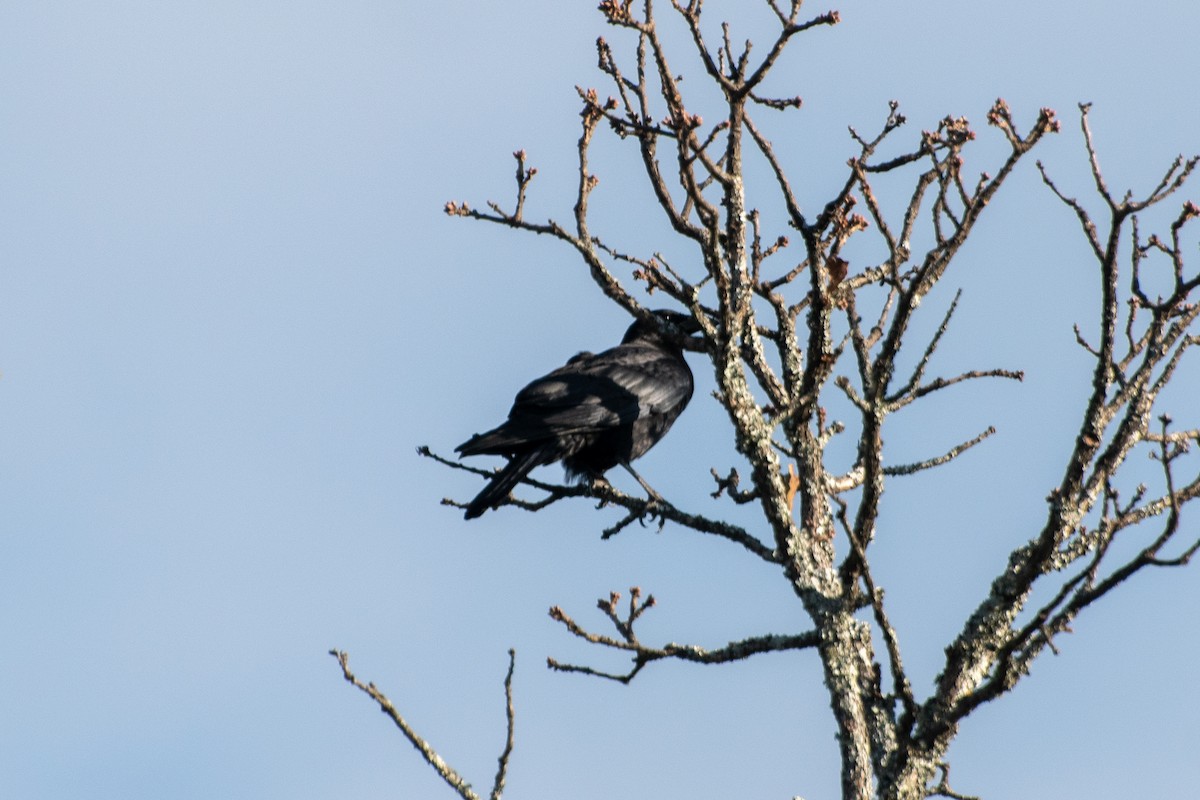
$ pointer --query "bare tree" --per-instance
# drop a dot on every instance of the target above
(785, 331)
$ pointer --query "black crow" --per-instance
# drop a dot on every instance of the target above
(594, 412)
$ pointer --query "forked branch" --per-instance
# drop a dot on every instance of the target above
(447, 773)
(643, 655)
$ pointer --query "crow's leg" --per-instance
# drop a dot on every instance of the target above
(654, 496)
(598, 481)
(655, 504)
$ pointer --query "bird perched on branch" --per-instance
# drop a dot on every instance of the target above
(596, 411)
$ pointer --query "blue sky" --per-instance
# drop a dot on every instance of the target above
(231, 308)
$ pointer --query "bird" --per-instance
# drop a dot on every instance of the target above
(594, 412)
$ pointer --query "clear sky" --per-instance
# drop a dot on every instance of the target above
(231, 308)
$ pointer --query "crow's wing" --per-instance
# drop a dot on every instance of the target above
(606, 390)
(593, 392)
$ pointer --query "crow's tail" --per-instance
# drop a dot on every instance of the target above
(499, 487)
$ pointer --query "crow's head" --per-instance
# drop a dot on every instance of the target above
(667, 327)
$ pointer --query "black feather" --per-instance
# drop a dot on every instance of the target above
(596, 411)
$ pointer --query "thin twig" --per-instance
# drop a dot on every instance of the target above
(510, 718)
(448, 774)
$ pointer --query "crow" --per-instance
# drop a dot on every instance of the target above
(596, 411)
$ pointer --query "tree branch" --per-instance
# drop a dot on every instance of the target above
(639, 507)
(447, 773)
(643, 655)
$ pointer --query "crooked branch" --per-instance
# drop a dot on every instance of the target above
(643, 655)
